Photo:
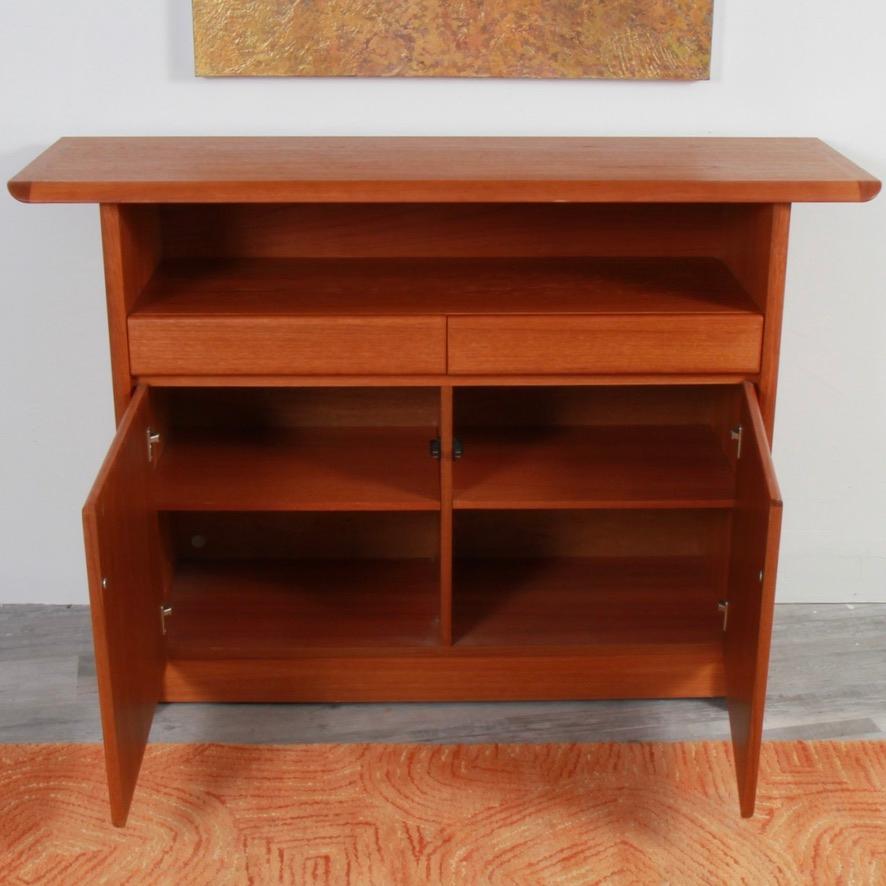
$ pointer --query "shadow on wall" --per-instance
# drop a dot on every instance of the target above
(55, 395)
(179, 40)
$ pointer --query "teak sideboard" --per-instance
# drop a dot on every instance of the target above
(437, 419)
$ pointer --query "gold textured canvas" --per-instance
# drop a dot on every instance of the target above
(611, 39)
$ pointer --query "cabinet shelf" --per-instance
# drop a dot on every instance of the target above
(442, 286)
(429, 316)
(303, 469)
(593, 467)
(586, 601)
(262, 609)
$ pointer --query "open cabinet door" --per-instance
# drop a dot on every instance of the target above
(123, 564)
(756, 528)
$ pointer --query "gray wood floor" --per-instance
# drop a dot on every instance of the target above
(828, 680)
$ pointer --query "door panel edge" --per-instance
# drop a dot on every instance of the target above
(123, 568)
(751, 593)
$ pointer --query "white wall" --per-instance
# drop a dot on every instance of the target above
(101, 67)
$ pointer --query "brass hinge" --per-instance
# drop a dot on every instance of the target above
(736, 434)
(165, 612)
(152, 439)
(723, 606)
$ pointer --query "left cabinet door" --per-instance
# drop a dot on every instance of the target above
(123, 556)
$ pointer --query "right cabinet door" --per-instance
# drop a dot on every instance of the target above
(756, 527)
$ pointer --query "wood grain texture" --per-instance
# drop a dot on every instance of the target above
(602, 467)
(261, 344)
(678, 404)
(377, 814)
(585, 601)
(309, 469)
(123, 562)
(640, 535)
(302, 316)
(278, 276)
(760, 262)
(624, 380)
(616, 343)
(214, 536)
(397, 286)
(445, 230)
(274, 609)
(622, 39)
(344, 605)
(447, 440)
(403, 170)
(131, 249)
(751, 594)
(776, 274)
(709, 323)
(257, 410)
(667, 670)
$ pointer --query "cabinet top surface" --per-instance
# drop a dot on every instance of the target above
(420, 169)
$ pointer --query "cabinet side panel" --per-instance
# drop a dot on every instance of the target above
(131, 247)
(756, 251)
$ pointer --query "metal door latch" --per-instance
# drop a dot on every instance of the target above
(723, 606)
(153, 439)
(165, 612)
(736, 434)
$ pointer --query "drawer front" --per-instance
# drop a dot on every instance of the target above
(286, 345)
(605, 344)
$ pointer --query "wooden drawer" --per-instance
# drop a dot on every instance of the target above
(605, 343)
(286, 345)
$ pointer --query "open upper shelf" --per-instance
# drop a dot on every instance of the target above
(274, 609)
(408, 316)
(299, 469)
(583, 600)
(593, 467)
(408, 286)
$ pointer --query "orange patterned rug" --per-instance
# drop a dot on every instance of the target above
(447, 814)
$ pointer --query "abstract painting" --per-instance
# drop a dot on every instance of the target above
(557, 39)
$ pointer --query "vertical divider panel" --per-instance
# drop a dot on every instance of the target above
(446, 553)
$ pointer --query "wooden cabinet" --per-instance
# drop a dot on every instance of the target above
(437, 419)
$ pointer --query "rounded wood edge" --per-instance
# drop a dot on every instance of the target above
(20, 190)
(583, 192)
(867, 190)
